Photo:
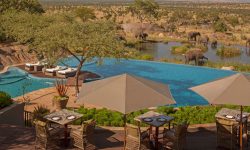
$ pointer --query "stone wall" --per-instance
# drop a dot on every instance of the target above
(13, 114)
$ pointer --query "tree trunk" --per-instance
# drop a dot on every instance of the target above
(78, 74)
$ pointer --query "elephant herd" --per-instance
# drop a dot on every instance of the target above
(195, 55)
(204, 40)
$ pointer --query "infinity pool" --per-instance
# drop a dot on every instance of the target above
(179, 77)
(16, 82)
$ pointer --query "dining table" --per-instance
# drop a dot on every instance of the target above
(63, 117)
(155, 119)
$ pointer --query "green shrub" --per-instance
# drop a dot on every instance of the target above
(224, 51)
(202, 47)
(5, 99)
(180, 49)
(191, 114)
(146, 57)
(219, 26)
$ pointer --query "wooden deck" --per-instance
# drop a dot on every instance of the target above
(24, 138)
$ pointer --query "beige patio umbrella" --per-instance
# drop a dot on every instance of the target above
(233, 90)
(125, 93)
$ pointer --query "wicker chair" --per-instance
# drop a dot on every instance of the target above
(46, 137)
(175, 138)
(82, 136)
(226, 133)
(135, 139)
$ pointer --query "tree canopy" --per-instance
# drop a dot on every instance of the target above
(85, 13)
(32, 6)
(144, 9)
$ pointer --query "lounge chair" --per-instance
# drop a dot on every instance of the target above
(82, 136)
(30, 66)
(70, 72)
(135, 139)
(175, 138)
(52, 71)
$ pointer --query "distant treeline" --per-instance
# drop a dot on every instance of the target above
(124, 2)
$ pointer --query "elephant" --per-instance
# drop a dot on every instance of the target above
(203, 40)
(194, 55)
(193, 36)
(142, 36)
(214, 44)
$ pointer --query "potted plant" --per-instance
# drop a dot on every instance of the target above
(39, 112)
(60, 101)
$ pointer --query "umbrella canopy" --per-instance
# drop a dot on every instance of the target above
(230, 90)
(125, 93)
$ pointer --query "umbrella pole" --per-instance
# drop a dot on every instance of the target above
(125, 131)
(241, 142)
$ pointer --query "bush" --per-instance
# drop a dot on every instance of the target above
(224, 51)
(146, 57)
(202, 47)
(220, 26)
(180, 49)
(5, 99)
(191, 114)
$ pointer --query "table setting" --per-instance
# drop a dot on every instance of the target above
(63, 117)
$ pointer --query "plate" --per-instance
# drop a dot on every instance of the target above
(71, 117)
(161, 119)
(147, 119)
(229, 117)
(56, 118)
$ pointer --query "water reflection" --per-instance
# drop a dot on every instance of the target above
(163, 50)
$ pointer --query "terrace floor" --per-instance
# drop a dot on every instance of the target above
(17, 138)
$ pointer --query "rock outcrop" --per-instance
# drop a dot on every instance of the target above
(14, 54)
(138, 27)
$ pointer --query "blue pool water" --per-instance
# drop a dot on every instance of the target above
(179, 77)
(16, 82)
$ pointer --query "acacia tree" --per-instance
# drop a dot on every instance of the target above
(85, 13)
(22, 26)
(84, 41)
(144, 10)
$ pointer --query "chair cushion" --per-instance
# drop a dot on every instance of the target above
(144, 135)
(169, 134)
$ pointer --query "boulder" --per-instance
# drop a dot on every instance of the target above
(161, 35)
(227, 68)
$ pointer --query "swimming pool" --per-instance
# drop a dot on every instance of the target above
(179, 77)
(16, 81)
